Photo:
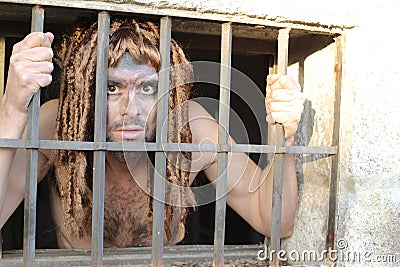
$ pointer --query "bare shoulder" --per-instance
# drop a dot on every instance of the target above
(48, 116)
(195, 110)
(202, 124)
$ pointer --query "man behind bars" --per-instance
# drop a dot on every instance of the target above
(133, 66)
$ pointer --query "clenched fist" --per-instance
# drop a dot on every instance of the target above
(284, 103)
(30, 68)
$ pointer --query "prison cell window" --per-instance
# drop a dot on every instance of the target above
(100, 146)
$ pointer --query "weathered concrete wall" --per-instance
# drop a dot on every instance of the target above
(369, 182)
(369, 207)
(306, 10)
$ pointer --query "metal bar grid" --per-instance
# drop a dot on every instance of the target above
(99, 157)
(161, 138)
(279, 161)
(100, 146)
(168, 147)
(32, 158)
(223, 136)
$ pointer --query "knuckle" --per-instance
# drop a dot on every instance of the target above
(18, 67)
(36, 35)
(15, 58)
(47, 79)
(47, 51)
(50, 66)
(50, 52)
(25, 79)
(16, 47)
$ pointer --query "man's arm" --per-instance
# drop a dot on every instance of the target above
(30, 68)
(284, 104)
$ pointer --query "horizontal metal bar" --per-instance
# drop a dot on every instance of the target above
(140, 8)
(137, 256)
(168, 147)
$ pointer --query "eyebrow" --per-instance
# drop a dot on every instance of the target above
(152, 82)
(142, 80)
(114, 81)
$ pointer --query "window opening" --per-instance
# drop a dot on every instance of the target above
(100, 146)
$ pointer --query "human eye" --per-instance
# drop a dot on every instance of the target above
(148, 89)
(112, 89)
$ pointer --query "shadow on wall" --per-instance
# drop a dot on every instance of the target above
(305, 132)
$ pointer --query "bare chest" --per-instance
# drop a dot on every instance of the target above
(125, 215)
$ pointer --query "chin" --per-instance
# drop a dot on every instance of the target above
(123, 156)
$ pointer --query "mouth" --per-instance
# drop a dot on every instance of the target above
(133, 132)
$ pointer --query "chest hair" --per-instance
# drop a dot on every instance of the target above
(125, 215)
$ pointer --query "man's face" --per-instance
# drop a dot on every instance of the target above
(132, 101)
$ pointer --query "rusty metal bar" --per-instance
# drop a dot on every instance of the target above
(168, 147)
(223, 135)
(32, 133)
(333, 186)
(161, 138)
(2, 59)
(182, 255)
(279, 161)
(99, 157)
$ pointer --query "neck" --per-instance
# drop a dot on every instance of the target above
(122, 169)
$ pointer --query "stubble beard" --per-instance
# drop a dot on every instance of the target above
(150, 134)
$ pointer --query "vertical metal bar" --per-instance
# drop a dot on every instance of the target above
(161, 137)
(270, 136)
(100, 124)
(283, 45)
(2, 59)
(223, 135)
(32, 133)
(333, 187)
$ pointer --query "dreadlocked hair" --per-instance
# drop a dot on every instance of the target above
(75, 119)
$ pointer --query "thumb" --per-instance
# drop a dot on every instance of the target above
(49, 38)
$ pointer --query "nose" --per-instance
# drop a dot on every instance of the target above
(133, 107)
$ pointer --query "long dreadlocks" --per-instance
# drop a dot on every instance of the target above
(75, 118)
